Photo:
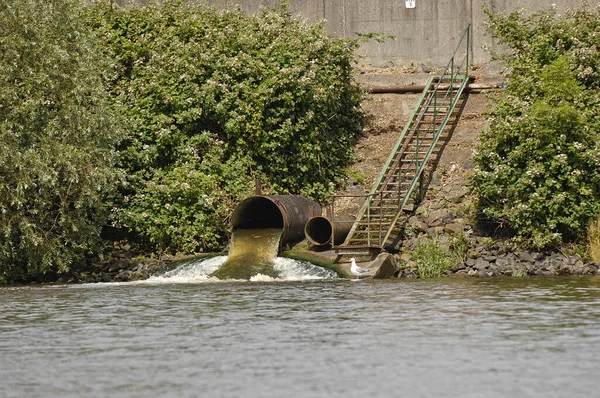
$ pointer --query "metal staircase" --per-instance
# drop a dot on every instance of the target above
(376, 226)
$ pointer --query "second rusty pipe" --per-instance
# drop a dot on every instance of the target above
(320, 230)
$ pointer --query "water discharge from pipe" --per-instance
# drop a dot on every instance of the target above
(252, 252)
(261, 226)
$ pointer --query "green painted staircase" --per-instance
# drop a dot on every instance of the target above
(377, 223)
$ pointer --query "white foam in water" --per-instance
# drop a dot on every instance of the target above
(295, 270)
(200, 270)
(195, 271)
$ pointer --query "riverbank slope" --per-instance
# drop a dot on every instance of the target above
(447, 212)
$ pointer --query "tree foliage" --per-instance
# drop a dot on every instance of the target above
(216, 99)
(538, 163)
(57, 138)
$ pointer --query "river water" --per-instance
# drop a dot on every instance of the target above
(306, 334)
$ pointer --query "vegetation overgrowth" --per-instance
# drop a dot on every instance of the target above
(57, 138)
(431, 258)
(217, 99)
(537, 166)
(178, 105)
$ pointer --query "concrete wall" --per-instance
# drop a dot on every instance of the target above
(427, 34)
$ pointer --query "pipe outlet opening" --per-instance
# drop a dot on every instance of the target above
(318, 231)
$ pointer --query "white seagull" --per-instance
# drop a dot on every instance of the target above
(356, 270)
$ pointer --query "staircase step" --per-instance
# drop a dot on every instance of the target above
(373, 224)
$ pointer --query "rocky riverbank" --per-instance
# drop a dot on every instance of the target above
(122, 265)
(447, 214)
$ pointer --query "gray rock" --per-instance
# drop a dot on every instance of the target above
(448, 217)
(437, 231)
(409, 208)
(437, 205)
(118, 265)
(575, 260)
(124, 276)
(416, 224)
(501, 250)
(581, 268)
(502, 261)
(527, 256)
(438, 214)
(459, 267)
(511, 258)
(481, 264)
(457, 195)
(434, 222)
(455, 228)
(139, 275)
(386, 266)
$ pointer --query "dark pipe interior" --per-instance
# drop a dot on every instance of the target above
(318, 230)
(257, 213)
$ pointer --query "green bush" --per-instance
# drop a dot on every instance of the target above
(57, 139)
(431, 259)
(226, 98)
(537, 164)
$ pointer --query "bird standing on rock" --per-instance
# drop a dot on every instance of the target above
(356, 270)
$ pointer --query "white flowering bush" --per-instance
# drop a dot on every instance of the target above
(57, 138)
(217, 99)
(538, 165)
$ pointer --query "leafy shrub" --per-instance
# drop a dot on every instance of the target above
(431, 258)
(537, 165)
(535, 40)
(229, 98)
(57, 139)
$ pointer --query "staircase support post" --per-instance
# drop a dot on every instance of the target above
(421, 195)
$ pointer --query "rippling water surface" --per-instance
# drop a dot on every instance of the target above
(312, 337)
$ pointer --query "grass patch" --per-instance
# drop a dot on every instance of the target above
(431, 259)
(357, 176)
(594, 240)
(459, 246)
(518, 273)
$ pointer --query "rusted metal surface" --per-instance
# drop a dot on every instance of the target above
(320, 230)
(418, 88)
(288, 212)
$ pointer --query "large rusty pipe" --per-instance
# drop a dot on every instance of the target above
(288, 212)
(320, 230)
